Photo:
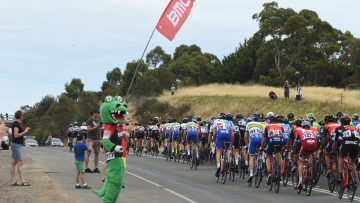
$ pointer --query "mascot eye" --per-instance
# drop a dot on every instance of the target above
(108, 98)
(119, 98)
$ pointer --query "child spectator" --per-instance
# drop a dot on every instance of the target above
(79, 152)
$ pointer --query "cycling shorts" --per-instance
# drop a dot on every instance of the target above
(329, 146)
(167, 134)
(274, 143)
(192, 137)
(237, 140)
(242, 138)
(222, 137)
(254, 143)
(175, 135)
(307, 147)
(350, 147)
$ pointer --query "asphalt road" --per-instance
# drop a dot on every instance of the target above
(154, 180)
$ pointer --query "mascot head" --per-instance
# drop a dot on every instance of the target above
(113, 110)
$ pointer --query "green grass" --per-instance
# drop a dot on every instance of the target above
(207, 106)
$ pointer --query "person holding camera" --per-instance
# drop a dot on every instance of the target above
(93, 140)
(16, 148)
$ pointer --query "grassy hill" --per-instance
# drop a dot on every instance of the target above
(211, 99)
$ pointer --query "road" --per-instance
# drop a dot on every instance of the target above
(154, 180)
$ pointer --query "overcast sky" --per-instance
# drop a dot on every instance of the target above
(46, 43)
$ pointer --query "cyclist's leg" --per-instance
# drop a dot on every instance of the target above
(218, 145)
(328, 149)
(254, 144)
(236, 149)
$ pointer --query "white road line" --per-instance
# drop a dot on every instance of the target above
(146, 180)
(181, 196)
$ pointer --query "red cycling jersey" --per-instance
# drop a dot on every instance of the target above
(306, 135)
(274, 130)
(330, 129)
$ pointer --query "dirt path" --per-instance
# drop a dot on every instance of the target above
(42, 189)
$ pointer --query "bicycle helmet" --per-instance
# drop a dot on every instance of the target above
(229, 116)
(306, 124)
(298, 122)
(344, 120)
(185, 120)
(355, 117)
(269, 114)
(221, 116)
(329, 118)
(239, 116)
(280, 118)
(290, 115)
(75, 123)
(339, 114)
(256, 116)
(83, 124)
(249, 119)
(310, 117)
(198, 118)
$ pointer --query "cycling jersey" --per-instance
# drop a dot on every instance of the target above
(348, 137)
(308, 142)
(274, 131)
(175, 129)
(355, 123)
(256, 132)
(154, 132)
(328, 131)
(192, 132)
(223, 132)
(140, 132)
(287, 132)
(167, 128)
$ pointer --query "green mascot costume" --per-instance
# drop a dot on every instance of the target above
(112, 113)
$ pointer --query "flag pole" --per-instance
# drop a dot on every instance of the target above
(138, 65)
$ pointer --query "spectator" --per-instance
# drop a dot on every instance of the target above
(7, 116)
(286, 89)
(16, 145)
(79, 151)
(172, 89)
(49, 140)
(298, 92)
(93, 140)
(272, 95)
(3, 130)
(1, 116)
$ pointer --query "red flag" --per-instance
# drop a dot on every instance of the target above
(174, 17)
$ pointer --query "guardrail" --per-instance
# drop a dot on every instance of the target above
(7, 117)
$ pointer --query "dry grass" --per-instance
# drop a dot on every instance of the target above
(315, 94)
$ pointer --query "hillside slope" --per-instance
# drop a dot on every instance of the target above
(211, 99)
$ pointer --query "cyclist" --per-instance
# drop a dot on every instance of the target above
(327, 133)
(308, 146)
(294, 143)
(83, 130)
(355, 120)
(183, 133)
(268, 115)
(154, 136)
(253, 137)
(175, 134)
(273, 136)
(70, 135)
(204, 135)
(338, 116)
(223, 133)
(139, 134)
(311, 117)
(191, 132)
(291, 119)
(239, 139)
(348, 139)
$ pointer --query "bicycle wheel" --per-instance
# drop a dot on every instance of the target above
(225, 171)
(286, 173)
(309, 182)
(351, 189)
(258, 174)
(331, 183)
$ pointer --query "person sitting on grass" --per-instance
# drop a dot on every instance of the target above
(79, 152)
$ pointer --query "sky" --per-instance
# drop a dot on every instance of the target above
(46, 43)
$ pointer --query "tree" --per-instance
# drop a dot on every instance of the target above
(112, 84)
(74, 89)
(129, 72)
(157, 56)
